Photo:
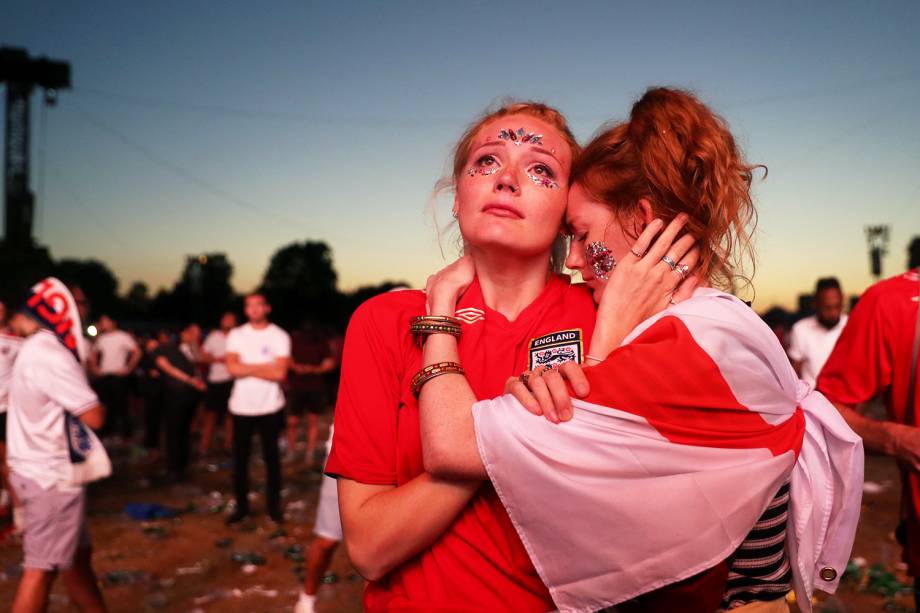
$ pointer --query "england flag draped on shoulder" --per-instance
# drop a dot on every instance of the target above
(691, 427)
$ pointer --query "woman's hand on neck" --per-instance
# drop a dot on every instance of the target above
(445, 287)
(508, 285)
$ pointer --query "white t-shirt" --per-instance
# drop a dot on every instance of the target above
(252, 395)
(216, 346)
(114, 348)
(9, 346)
(47, 381)
(811, 343)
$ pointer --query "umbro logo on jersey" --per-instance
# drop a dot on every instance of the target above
(551, 350)
(470, 315)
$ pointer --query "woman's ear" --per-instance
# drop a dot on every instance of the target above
(643, 216)
(646, 215)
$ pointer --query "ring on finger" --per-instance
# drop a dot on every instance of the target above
(682, 270)
(667, 260)
(636, 253)
(525, 377)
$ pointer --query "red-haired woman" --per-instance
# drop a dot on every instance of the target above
(695, 429)
(426, 543)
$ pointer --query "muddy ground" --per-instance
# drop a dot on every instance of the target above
(195, 563)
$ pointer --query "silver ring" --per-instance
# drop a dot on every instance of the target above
(669, 262)
(682, 270)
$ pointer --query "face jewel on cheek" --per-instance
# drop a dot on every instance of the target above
(543, 181)
(484, 171)
(520, 137)
(599, 259)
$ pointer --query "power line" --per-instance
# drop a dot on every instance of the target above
(830, 90)
(326, 119)
(68, 190)
(203, 184)
(261, 114)
(851, 130)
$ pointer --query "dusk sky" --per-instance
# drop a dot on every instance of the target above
(239, 127)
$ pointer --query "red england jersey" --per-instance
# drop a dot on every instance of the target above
(872, 358)
(479, 564)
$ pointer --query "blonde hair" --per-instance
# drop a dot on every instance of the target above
(462, 149)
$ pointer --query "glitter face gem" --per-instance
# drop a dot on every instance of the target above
(520, 137)
(483, 171)
(543, 181)
(599, 259)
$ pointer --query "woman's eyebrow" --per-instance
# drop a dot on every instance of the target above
(503, 143)
(499, 143)
(551, 153)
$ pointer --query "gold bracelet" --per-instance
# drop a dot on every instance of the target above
(424, 325)
(430, 372)
(436, 319)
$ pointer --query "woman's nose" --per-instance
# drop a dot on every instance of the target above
(575, 260)
(507, 182)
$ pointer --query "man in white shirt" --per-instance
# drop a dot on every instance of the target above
(9, 347)
(220, 384)
(258, 356)
(812, 339)
(48, 383)
(114, 357)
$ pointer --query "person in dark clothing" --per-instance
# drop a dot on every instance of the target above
(182, 387)
(151, 384)
(311, 358)
(220, 384)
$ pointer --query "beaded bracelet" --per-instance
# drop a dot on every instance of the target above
(425, 325)
(430, 372)
(434, 329)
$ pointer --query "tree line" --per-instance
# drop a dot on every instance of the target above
(300, 283)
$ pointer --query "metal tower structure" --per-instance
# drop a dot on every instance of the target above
(22, 74)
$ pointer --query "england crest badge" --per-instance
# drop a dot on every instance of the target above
(551, 350)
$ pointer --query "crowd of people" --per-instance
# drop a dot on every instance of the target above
(159, 390)
(508, 440)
